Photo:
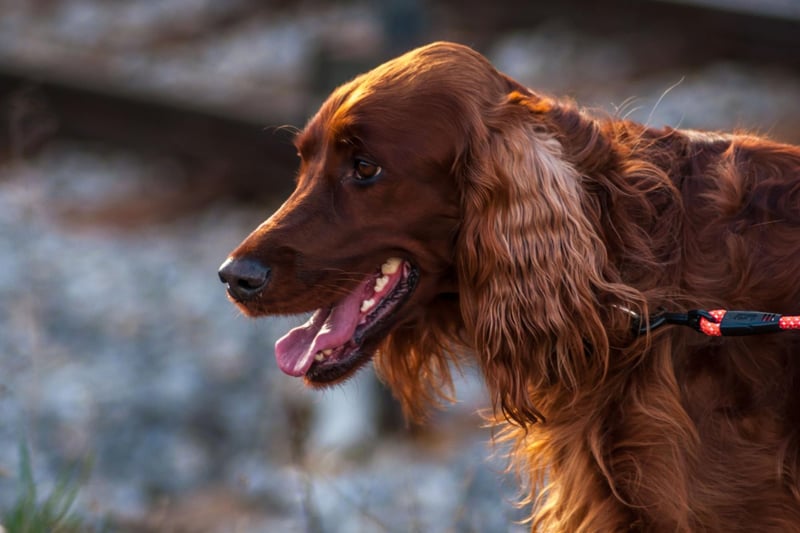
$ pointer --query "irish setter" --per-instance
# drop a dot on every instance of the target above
(444, 211)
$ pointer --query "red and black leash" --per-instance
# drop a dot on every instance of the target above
(722, 323)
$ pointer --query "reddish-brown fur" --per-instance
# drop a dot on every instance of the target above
(532, 222)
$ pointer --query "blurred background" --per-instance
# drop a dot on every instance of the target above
(140, 141)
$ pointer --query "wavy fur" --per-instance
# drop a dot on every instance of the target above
(534, 223)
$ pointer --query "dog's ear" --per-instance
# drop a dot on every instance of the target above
(530, 263)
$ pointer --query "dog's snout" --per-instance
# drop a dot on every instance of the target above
(244, 277)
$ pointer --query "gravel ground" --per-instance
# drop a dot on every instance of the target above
(242, 58)
(120, 345)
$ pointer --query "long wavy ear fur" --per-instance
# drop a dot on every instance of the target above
(531, 265)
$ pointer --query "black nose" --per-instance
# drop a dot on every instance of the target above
(244, 277)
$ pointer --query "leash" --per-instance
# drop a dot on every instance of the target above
(719, 322)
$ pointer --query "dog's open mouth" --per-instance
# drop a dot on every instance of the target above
(331, 344)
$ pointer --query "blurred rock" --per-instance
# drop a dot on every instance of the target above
(121, 346)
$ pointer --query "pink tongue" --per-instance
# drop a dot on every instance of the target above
(325, 329)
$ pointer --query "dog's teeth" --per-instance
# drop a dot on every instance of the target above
(380, 283)
(366, 305)
(320, 356)
(390, 266)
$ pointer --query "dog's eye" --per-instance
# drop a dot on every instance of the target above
(366, 170)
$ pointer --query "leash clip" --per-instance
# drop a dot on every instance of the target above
(719, 323)
(691, 318)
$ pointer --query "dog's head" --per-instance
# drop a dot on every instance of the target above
(366, 241)
(429, 197)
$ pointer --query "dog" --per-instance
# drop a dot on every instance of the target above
(444, 213)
